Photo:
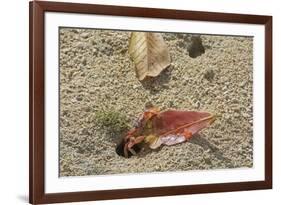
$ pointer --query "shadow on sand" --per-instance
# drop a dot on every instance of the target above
(206, 144)
(156, 84)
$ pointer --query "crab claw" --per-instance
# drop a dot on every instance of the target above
(129, 146)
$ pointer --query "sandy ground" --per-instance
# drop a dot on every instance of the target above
(96, 73)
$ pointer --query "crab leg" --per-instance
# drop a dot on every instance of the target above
(132, 151)
(125, 150)
(131, 132)
(134, 141)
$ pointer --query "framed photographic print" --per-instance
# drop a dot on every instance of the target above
(140, 102)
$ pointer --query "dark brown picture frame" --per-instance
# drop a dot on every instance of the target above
(37, 10)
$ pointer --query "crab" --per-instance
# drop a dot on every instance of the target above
(157, 128)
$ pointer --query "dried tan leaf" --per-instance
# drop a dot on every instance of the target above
(149, 53)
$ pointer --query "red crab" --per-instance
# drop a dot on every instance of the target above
(168, 128)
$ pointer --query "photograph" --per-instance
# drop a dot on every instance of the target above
(142, 102)
(129, 102)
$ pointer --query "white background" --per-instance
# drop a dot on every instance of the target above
(14, 100)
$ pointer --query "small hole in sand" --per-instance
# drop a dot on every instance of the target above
(196, 48)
